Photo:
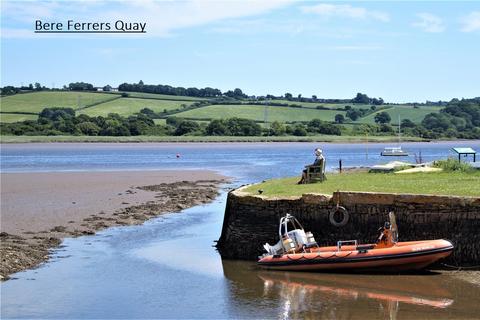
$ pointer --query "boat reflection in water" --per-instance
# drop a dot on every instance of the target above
(319, 295)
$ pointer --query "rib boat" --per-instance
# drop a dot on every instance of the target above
(297, 250)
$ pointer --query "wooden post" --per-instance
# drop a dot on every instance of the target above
(340, 165)
(459, 158)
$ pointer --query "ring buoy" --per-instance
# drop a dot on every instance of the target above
(345, 216)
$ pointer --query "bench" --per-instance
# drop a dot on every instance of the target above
(314, 174)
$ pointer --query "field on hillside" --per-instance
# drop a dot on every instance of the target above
(256, 112)
(314, 105)
(162, 96)
(12, 117)
(405, 112)
(129, 106)
(36, 101)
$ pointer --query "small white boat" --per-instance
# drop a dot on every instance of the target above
(393, 151)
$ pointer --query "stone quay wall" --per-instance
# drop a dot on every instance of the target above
(252, 220)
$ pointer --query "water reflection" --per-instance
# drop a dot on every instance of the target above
(317, 295)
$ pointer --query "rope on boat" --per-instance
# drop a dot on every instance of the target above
(318, 256)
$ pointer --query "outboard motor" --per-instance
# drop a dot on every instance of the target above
(291, 241)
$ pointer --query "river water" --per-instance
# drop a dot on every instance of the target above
(167, 267)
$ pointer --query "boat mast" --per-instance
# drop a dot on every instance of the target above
(399, 132)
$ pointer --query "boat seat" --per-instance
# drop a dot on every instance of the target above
(365, 247)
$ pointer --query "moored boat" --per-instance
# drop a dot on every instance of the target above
(393, 152)
(298, 251)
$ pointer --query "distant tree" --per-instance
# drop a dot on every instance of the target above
(288, 96)
(339, 118)
(107, 88)
(186, 127)
(382, 117)
(314, 98)
(243, 127)
(385, 128)
(148, 112)
(314, 124)
(56, 113)
(376, 101)
(299, 130)
(38, 86)
(407, 123)
(217, 128)
(373, 108)
(353, 114)
(277, 129)
(174, 121)
(361, 98)
(347, 108)
(80, 86)
(89, 128)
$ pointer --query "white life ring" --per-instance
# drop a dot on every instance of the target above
(345, 216)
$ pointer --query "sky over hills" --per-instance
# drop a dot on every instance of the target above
(400, 51)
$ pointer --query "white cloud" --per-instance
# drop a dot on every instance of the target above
(471, 22)
(162, 17)
(429, 23)
(345, 10)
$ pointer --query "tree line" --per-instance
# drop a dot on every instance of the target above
(64, 121)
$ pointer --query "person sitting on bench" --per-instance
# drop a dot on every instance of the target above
(319, 162)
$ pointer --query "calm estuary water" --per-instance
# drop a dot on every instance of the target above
(167, 268)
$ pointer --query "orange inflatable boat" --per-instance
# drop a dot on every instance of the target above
(298, 251)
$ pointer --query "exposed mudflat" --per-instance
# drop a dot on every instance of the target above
(38, 211)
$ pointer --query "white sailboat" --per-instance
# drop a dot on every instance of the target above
(395, 151)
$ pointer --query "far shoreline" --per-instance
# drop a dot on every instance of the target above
(207, 139)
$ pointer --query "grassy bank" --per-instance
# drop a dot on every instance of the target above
(442, 183)
(318, 138)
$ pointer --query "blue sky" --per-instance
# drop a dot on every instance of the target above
(400, 51)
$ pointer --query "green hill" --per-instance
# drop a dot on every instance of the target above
(25, 106)
(129, 106)
(35, 102)
(257, 113)
(162, 96)
(416, 115)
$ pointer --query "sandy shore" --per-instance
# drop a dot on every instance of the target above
(39, 209)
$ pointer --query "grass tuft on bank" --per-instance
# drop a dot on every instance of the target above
(441, 183)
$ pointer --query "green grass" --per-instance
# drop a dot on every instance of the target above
(405, 112)
(162, 96)
(160, 121)
(319, 138)
(129, 106)
(313, 105)
(256, 112)
(12, 117)
(442, 183)
(36, 101)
